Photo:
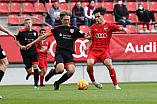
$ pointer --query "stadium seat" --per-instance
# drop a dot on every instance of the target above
(24, 15)
(32, 0)
(139, 27)
(4, 8)
(15, 7)
(37, 28)
(132, 17)
(144, 5)
(155, 15)
(84, 4)
(151, 27)
(131, 6)
(36, 21)
(72, 4)
(153, 6)
(84, 28)
(132, 28)
(19, 0)
(48, 6)
(47, 28)
(13, 21)
(63, 6)
(109, 6)
(108, 18)
(97, 4)
(39, 7)
(27, 7)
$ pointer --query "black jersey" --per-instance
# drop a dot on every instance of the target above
(25, 37)
(66, 37)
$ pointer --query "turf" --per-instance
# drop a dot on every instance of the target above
(131, 93)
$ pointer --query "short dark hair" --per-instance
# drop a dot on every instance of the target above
(42, 30)
(102, 10)
(145, 24)
(90, 1)
(65, 13)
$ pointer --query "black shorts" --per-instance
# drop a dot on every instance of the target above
(2, 53)
(65, 58)
(30, 59)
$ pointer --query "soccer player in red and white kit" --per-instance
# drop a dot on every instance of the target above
(43, 50)
(99, 46)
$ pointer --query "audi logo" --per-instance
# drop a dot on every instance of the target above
(80, 45)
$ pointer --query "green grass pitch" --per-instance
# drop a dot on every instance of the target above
(131, 93)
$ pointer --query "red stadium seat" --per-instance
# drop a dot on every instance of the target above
(15, 7)
(153, 6)
(36, 21)
(84, 4)
(109, 6)
(32, 0)
(132, 28)
(37, 28)
(47, 28)
(4, 8)
(63, 6)
(97, 4)
(144, 5)
(108, 18)
(13, 21)
(155, 15)
(131, 6)
(48, 6)
(27, 7)
(19, 0)
(139, 28)
(39, 7)
(84, 28)
(132, 17)
(24, 15)
(72, 4)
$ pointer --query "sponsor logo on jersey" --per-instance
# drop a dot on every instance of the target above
(71, 30)
(100, 35)
(105, 29)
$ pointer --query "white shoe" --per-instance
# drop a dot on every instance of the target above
(0, 97)
(117, 87)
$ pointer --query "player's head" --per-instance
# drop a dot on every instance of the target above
(42, 32)
(28, 23)
(65, 17)
(99, 14)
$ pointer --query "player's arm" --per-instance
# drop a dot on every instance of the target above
(6, 31)
(38, 40)
(88, 36)
(18, 44)
(125, 30)
(88, 45)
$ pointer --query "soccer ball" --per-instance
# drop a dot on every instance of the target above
(82, 84)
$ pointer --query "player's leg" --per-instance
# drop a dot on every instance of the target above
(112, 72)
(43, 72)
(59, 67)
(3, 66)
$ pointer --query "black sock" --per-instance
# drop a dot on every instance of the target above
(63, 78)
(1, 75)
(36, 77)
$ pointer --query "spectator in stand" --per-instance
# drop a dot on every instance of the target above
(145, 29)
(53, 15)
(88, 10)
(78, 14)
(122, 14)
(144, 15)
(154, 30)
(43, 1)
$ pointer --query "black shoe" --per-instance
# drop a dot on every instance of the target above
(28, 75)
(56, 85)
(42, 85)
(49, 75)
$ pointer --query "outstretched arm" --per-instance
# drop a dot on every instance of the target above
(125, 30)
(6, 31)
(38, 40)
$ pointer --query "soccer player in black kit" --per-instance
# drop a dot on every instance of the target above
(30, 56)
(65, 36)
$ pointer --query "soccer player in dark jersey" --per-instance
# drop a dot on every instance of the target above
(3, 59)
(30, 56)
(65, 36)
(43, 50)
(101, 33)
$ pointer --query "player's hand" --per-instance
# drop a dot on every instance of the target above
(43, 50)
(88, 35)
(23, 47)
(11, 34)
(28, 46)
(126, 30)
(86, 49)
(48, 52)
